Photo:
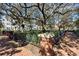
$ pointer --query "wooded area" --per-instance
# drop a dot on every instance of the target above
(40, 29)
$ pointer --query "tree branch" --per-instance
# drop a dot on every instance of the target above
(28, 6)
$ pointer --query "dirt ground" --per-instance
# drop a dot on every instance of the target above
(10, 47)
(68, 47)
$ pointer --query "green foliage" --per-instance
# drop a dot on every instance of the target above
(30, 36)
(76, 32)
(56, 33)
(77, 23)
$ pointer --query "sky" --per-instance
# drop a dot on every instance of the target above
(77, 5)
(76, 15)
